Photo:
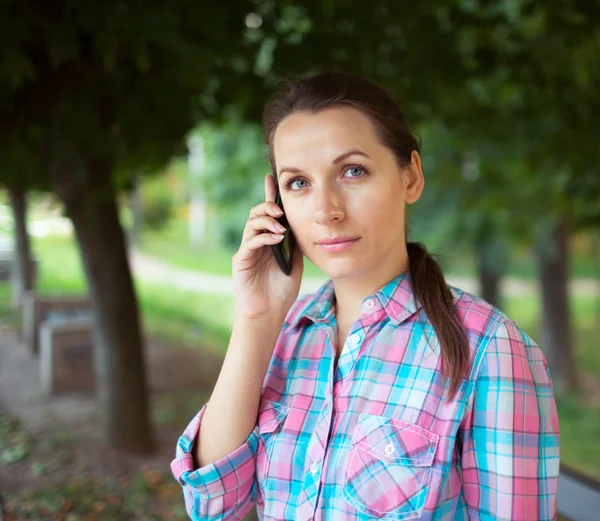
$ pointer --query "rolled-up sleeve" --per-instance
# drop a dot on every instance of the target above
(224, 489)
(510, 434)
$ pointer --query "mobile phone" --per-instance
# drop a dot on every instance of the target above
(283, 251)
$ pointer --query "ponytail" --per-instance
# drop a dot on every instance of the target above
(430, 288)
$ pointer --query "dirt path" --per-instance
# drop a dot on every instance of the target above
(180, 382)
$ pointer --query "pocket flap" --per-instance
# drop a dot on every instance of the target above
(390, 440)
(270, 415)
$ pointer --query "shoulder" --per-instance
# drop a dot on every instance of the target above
(476, 315)
(493, 333)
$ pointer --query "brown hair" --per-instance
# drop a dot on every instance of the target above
(326, 90)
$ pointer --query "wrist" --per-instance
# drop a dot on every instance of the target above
(262, 323)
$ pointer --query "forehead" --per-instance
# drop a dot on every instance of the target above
(326, 133)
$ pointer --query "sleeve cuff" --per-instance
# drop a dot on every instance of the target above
(217, 478)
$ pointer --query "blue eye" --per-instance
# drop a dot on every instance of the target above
(290, 184)
(359, 168)
(358, 171)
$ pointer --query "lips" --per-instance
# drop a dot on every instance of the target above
(337, 240)
(338, 244)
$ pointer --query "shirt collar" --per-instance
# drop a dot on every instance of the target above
(396, 297)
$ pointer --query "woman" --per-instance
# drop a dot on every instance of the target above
(387, 394)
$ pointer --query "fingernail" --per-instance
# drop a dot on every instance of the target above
(278, 211)
(280, 227)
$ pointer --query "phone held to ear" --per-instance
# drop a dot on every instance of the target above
(283, 251)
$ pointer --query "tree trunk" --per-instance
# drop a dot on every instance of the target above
(556, 325)
(489, 282)
(119, 356)
(22, 276)
(135, 206)
(595, 239)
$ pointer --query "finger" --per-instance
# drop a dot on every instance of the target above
(270, 187)
(266, 208)
(260, 224)
(257, 242)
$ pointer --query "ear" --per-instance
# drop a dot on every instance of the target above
(414, 179)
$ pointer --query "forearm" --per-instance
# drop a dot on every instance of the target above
(232, 410)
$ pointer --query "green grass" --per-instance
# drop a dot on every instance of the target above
(187, 318)
(172, 245)
(176, 316)
(578, 418)
(14, 444)
(8, 316)
(521, 265)
(204, 321)
(579, 434)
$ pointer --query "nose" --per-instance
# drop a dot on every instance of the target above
(328, 205)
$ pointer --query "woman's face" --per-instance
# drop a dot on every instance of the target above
(338, 181)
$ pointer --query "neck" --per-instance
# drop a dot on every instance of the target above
(350, 292)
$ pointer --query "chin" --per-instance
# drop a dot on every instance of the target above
(342, 268)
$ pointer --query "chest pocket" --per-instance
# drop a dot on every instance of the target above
(389, 467)
(271, 417)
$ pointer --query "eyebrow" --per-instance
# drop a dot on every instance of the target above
(335, 161)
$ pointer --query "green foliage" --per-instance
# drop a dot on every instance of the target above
(157, 203)
(233, 177)
(14, 443)
(116, 83)
(507, 79)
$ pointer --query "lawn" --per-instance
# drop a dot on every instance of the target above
(194, 319)
(182, 317)
(171, 244)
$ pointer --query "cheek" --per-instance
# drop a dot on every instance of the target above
(379, 211)
(299, 222)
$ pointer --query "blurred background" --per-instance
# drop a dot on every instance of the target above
(132, 152)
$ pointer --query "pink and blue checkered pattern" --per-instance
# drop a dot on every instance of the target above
(375, 437)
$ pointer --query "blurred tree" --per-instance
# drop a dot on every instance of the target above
(102, 90)
(108, 89)
(546, 83)
(235, 157)
(18, 176)
(520, 77)
(157, 204)
(22, 276)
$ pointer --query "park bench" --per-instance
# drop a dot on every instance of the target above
(578, 496)
(38, 307)
(67, 353)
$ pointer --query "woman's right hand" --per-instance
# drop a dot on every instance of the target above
(261, 289)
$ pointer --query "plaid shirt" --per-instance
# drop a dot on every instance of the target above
(374, 437)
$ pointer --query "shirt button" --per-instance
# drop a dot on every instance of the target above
(370, 303)
(355, 338)
(314, 468)
(389, 449)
